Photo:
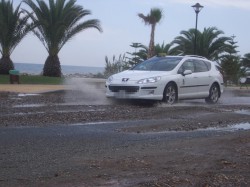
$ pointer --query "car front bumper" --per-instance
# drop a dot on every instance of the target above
(134, 92)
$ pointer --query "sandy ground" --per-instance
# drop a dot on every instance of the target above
(40, 88)
(30, 88)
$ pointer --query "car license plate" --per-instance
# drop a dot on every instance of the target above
(121, 94)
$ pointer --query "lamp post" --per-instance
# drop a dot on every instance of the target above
(197, 8)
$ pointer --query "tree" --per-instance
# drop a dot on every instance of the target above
(246, 60)
(142, 53)
(116, 66)
(139, 54)
(56, 23)
(13, 28)
(164, 49)
(210, 43)
(231, 65)
(232, 69)
(152, 19)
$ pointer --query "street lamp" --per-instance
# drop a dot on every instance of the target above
(197, 8)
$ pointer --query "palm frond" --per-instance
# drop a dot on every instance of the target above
(14, 26)
(58, 22)
(210, 43)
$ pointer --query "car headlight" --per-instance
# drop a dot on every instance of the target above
(149, 80)
(110, 79)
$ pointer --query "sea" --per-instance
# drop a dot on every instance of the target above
(36, 69)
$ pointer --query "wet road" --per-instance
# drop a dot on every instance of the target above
(30, 154)
(40, 153)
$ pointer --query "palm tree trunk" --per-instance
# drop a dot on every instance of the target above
(6, 65)
(151, 50)
(52, 67)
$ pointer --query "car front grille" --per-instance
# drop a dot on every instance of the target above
(128, 89)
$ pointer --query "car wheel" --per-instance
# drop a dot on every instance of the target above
(214, 94)
(170, 94)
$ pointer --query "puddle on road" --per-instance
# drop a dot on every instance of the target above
(23, 114)
(241, 126)
(24, 95)
(246, 112)
(94, 123)
(235, 127)
(29, 105)
(87, 110)
(229, 128)
(232, 128)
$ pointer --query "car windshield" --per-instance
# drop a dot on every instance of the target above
(158, 64)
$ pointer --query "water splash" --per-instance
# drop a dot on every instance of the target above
(86, 91)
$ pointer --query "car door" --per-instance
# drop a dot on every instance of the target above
(187, 83)
(202, 76)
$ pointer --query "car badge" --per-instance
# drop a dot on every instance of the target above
(125, 79)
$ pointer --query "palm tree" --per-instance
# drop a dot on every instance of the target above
(152, 19)
(184, 43)
(164, 49)
(13, 28)
(210, 43)
(56, 23)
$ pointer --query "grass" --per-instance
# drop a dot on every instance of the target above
(33, 79)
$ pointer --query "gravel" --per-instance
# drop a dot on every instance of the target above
(67, 107)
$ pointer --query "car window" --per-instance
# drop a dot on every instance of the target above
(187, 65)
(158, 64)
(200, 66)
(217, 66)
(208, 65)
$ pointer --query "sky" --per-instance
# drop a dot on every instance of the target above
(122, 27)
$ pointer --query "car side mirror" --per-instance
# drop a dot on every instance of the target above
(187, 72)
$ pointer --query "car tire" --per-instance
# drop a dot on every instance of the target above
(170, 94)
(214, 94)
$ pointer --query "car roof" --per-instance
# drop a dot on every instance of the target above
(182, 56)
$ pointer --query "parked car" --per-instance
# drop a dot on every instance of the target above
(168, 78)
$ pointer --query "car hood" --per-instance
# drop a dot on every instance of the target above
(135, 75)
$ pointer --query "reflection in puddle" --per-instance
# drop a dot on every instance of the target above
(90, 110)
(23, 114)
(229, 128)
(241, 126)
(24, 95)
(29, 113)
(93, 123)
(29, 105)
(236, 127)
(246, 112)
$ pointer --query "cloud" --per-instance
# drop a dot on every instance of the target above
(241, 4)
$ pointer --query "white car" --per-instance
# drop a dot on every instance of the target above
(168, 78)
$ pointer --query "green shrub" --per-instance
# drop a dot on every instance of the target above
(33, 79)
